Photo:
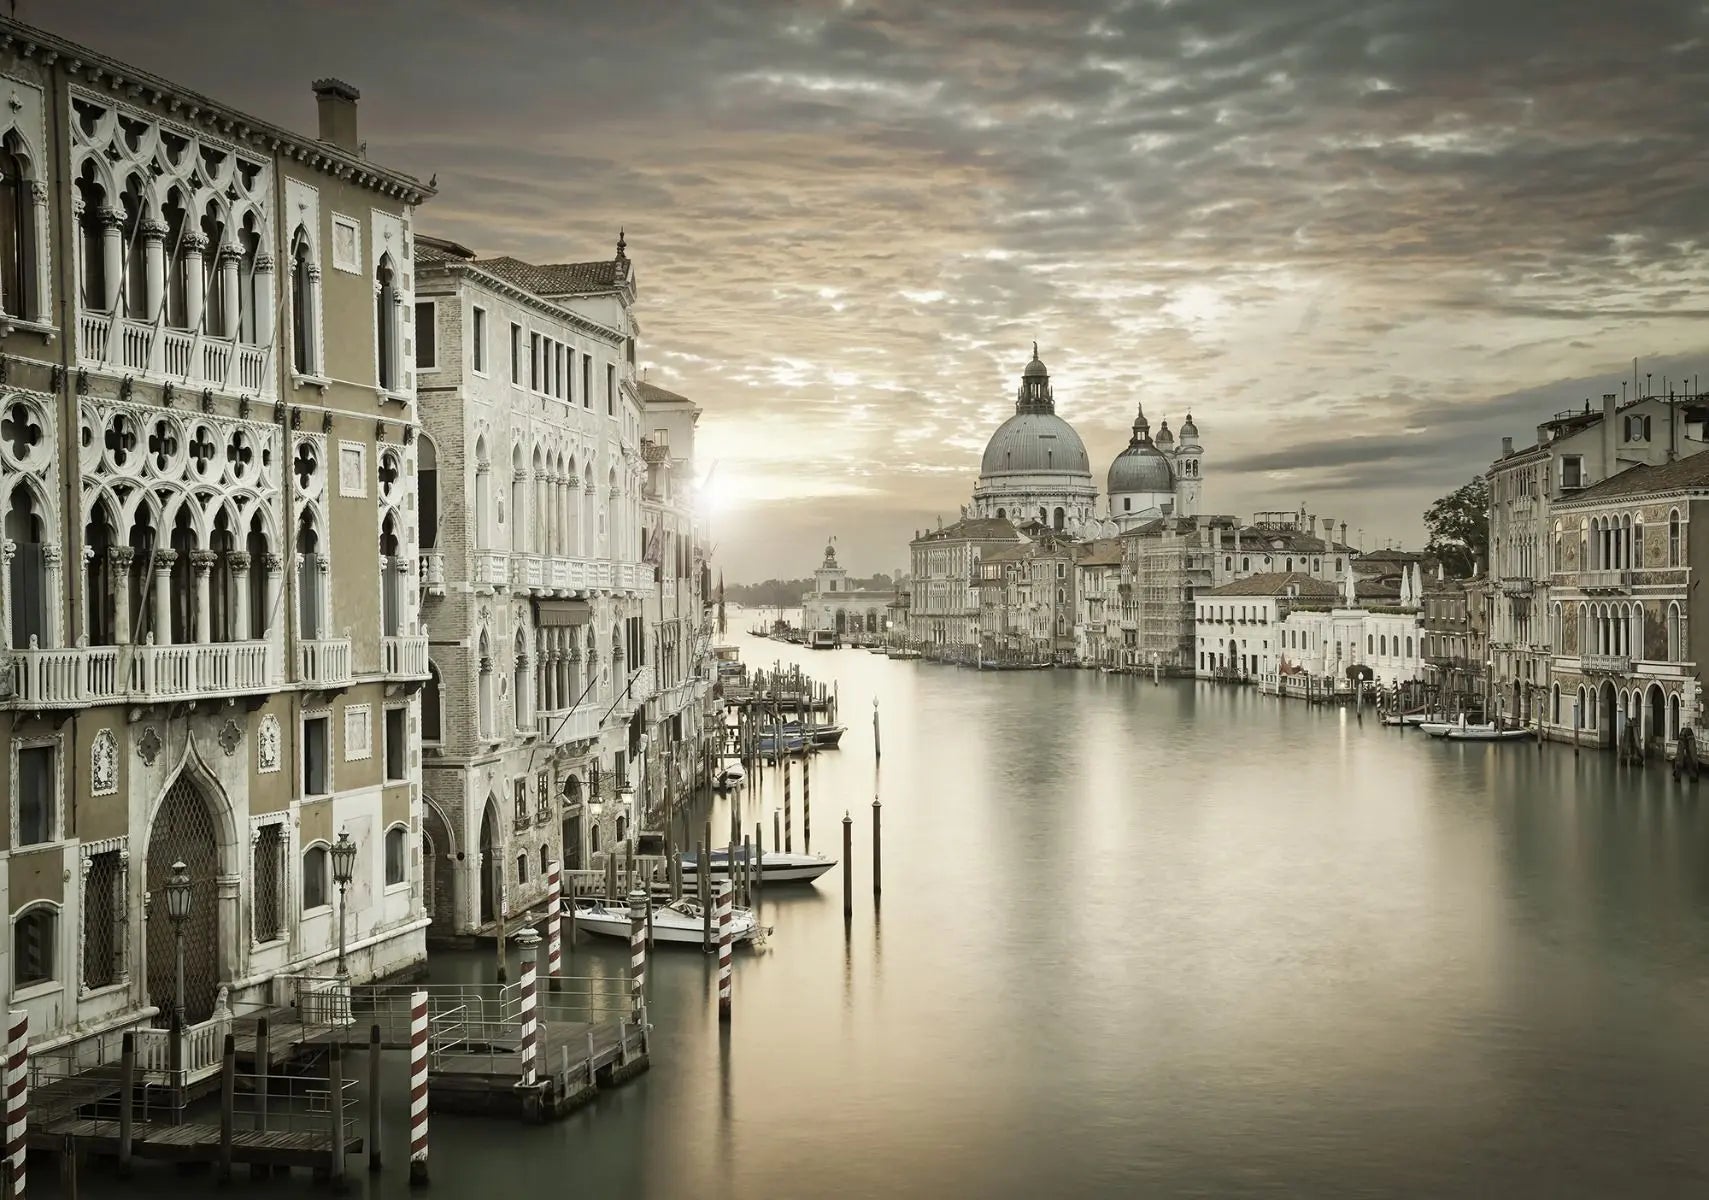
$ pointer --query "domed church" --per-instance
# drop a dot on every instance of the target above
(1036, 469)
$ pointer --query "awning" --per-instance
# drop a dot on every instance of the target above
(563, 612)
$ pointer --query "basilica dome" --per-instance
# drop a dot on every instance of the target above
(1029, 442)
(1140, 468)
(1035, 466)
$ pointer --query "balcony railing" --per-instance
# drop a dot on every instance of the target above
(640, 685)
(404, 656)
(184, 356)
(324, 662)
(1606, 664)
(78, 676)
(433, 571)
(1603, 581)
(492, 568)
(1515, 585)
(570, 724)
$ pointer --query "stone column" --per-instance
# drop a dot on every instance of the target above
(53, 593)
(229, 259)
(162, 595)
(275, 567)
(154, 269)
(195, 284)
(8, 549)
(202, 562)
(112, 257)
(238, 561)
(263, 292)
(119, 561)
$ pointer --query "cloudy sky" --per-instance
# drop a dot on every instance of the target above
(1361, 241)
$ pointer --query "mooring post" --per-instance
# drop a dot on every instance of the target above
(637, 951)
(228, 1102)
(877, 749)
(747, 871)
(724, 950)
(650, 939)
(417, 1089)
(702, 875)
(611, 877)
(498, 917)
(335, 1106)
(848, 867)
(806, 802)
(676, 877)
(877, 849)
(68, 1168)
(17, 1098)
(759, 861)
(788, 830)
(127, 1093)
(374, 1097)
(776, 834)
(529, 1012)
(554, 925)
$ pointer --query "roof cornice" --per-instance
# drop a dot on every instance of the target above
(185, 105)
(504, 287)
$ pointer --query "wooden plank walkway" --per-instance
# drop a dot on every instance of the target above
(191, 1142)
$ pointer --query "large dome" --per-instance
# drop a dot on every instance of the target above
(1031, 442)
(1140, 468)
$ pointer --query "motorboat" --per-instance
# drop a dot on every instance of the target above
(1411, 718)
(682, 922)
(1489, 733)
(775, 867)
(823, 639)
(787, 742)
(730, 777)
(822, 737)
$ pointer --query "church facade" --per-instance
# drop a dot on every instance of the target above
(1036, 469)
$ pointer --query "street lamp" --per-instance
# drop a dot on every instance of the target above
(343, 870)
(178, 897)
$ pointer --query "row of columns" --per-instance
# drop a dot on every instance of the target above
(193, 247)
(558, 680)
(1612, 632)
(120, 560)
(556, 525)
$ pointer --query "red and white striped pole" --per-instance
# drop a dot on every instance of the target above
(724, 951)
(17, 1097)
(554, 925)
(530, 1017)
(417, 1088)
(638, 953)
(788, 833)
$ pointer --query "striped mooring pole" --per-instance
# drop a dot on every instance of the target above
(17, 1097)
(806, 802)
(554, 925)
(638, 951)
(788, 821)
(530, 1015)
(724, 890)
(417, 1088)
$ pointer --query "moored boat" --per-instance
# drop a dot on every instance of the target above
(777, 866)
(1488, 733)
(682, 922)
(730, 777)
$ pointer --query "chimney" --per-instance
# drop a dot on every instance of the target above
(1507, 447)
(337, 102)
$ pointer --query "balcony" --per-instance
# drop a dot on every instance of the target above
(492, 568)
(577, 724)
(325, 662)
(404, 656)
(433, 572)
(527, 571)
(185, 357)
(80, 676)
(1606, 664)
(1603, 581)
(637, 689)
(1514, 585)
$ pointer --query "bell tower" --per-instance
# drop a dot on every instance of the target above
(1189, 463)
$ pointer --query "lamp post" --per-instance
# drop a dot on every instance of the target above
(178, 897)
(343, 870)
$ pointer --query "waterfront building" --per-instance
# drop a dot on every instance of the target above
(1327, 641)
(942, 603)
(1574, 450)
(1165, 563)
(1030, 585)
(546, 518)
(1098, 602)
(1238, 626)
(1454, 647)
(1623, 605)
(832, 604)
(207, 462)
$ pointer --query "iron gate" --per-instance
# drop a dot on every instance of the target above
(184, 830)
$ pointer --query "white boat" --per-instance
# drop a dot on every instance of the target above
(1407, 719)
(682, 922)
(731, 777)
(1488, 733)
(823, 639)
(777, 866)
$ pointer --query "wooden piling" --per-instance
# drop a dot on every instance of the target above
(127, 1093)
(747, 872)
(418, 1027)
(702, 878)
(335, 1108)
(759, 861)
(611, 877)
(68, 1168)
(788, 830)
(877, 850)
(228, 1103)
(498, 916)
(848, 867)
(806, 802)
(877, 749)
(374, 1097)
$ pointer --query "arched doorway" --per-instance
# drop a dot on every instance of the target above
(1607, 705)
(572, 824)
(437, 850)
(491, 862)
(1655, 724)
(184, 830)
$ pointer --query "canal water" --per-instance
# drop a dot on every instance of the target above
(1164, 940)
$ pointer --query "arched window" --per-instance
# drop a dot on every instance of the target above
(304, 343)
(522, 868)
(1673, 631)
(430, 706)
(317, 872)
(17, 234)
(519, 682)
(1555, 703)
(484, 698)
(397, 855)
(1673, 538)
(34, 933)
(27, 574)
(388, 364)
(1058, 518)
(1638, 543)
(1409, 647)
(309, 574)
(427, 491)
(545, 860)
(483, 496)
(1370, 644)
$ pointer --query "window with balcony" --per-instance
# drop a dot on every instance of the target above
(317, 756)
(317, 877)
(305, 277)
(27, 573)
(519, 682)
(34, 932)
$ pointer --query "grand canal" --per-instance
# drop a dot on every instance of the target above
(1171, 940)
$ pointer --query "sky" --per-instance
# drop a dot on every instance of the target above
(1360, 241)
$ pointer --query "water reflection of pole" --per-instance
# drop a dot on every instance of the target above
(877, 854)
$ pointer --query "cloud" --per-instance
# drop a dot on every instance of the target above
(1360, 242)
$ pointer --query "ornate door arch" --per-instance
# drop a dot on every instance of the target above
(184, 830)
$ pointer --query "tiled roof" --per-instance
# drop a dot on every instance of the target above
(1683, 473)
(1275, 583)
(974, 527)
(554, 279)
(1105, 552)
(435, 249)
(652, 393)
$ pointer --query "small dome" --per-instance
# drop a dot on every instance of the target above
(1164, 437)
(1031, 442)
(1189, 430)
(1035, 369)
(1140, 468)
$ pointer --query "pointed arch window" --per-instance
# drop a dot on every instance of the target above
(1673, 538)
(34, 934)
(17, 234)
(305, 279)
(386, 299)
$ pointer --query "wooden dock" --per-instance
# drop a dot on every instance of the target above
(191, 1142)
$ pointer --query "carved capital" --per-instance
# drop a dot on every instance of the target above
(195, 243)
(153, 230)
(164, 560)
(51, 554)
(110, 218)
(273, 562)
(203, 561)
(323, 561)
(264, 263)
(121, 557)
(238, 560)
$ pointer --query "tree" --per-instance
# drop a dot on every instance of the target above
(1459, 528)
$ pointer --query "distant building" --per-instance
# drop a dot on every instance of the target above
(943, 593)
(1239, 625)
(833, 604)
(1097, 595)
(1027, 601)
